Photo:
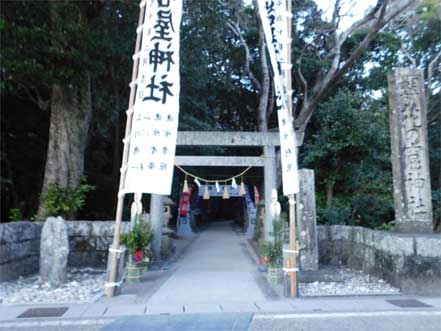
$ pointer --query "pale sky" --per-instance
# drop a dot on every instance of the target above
(354, 9)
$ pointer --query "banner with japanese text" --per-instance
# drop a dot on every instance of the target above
(156, 108)
(273, 14)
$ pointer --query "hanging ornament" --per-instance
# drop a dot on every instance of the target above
(242, 191)
(198, 183)
(233, 183)
(217, 187)
(185, 189)
(226, 194)
(206, 193)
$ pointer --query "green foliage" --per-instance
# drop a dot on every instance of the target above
(15, 214)
(350, 152)
(386, 226)
(264, 249)
(65, 201)
(275, 249)
(139, 238)
(275, 254)
(337, 214)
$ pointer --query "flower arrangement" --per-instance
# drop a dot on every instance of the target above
(138, 241)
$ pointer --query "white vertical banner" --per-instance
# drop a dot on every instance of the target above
(156, 108)
(273, 14)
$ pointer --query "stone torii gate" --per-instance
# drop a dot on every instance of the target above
(268, 141)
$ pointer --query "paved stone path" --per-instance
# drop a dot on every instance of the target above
(216, 268)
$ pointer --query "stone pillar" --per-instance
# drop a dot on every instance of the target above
(269, 183)
(54, 251)
(410, 156)
(307, 221)
(156, 222)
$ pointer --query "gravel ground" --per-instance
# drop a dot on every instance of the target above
(82, 286)
(85, 284)
(350, 282)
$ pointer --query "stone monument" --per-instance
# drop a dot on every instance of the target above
(54, 250)
(307, 221)
(410, 156)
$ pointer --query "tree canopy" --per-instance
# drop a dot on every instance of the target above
(339, 81)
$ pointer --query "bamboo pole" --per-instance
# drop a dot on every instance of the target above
(292, 201)
(109, 289)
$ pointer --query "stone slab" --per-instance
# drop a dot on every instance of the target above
(222, 138)
(219, 161)
(428, 246)
(165, 309)
(239, 307)
(435, 302)
(394, 244)
(11, 312)
(274, 306)
(75, 311)
(183, 322)
(341, 232)
(95, 310)
(307, 221)
(202, 308)
(409, 150)
(54, 251)
(214, 258)
(125, 309)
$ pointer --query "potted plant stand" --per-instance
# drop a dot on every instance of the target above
(138, 241)
(134, 272)
(136, 268)
(274, 274)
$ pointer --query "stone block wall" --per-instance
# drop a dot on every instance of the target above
(19, 249)
(411, 262)
(89, 242)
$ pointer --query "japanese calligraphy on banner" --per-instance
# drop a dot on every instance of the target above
(156, 108)
(273, 14)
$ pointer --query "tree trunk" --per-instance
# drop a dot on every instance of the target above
(265, 85)
(329, 193)
(71, 112)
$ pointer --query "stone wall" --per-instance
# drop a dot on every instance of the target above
(89, 242)
(19, 249)
(411, 262)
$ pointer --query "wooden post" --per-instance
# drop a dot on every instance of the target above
(109, 289)
(292, 201)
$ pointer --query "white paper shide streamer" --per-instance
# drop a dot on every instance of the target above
(156, 109)
(273, 14)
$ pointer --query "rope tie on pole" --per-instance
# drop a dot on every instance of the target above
(113, 284)
(132, 84)
(139, 29)
(290, 270)
(291, 251)
(123, 168)
(118, 251)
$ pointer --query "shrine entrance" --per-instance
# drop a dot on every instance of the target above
(217, 207)
(151, 129)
